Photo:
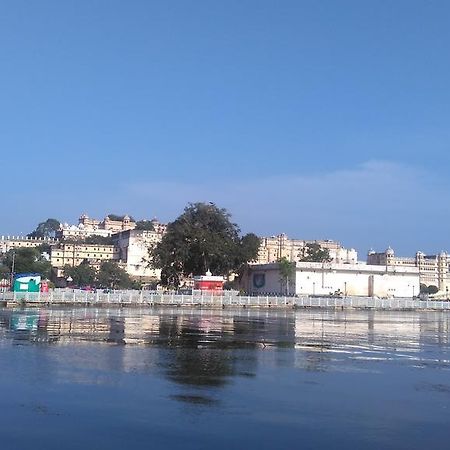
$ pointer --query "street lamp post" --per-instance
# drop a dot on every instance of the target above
(13, 264)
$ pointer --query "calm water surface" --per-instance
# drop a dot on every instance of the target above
(201, 379)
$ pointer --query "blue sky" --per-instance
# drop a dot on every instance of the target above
(320, 119)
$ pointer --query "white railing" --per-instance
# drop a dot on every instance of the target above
(67, 297)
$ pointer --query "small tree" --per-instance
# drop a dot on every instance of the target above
(118, 217)
(112, 276)
(82, 275)
(432, 289)
(313, 252)
(98, 240)
(145, 225)
(287, 270)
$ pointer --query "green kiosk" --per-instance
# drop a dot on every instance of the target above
(27, 282)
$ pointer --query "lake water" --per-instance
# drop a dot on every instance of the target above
(222, 379)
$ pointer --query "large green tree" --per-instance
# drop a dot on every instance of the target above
(27, 260)
(202, 238)
(46, 229)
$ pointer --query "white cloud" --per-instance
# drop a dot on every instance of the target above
(375, 204)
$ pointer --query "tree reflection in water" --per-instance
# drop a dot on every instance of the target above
(200, 367)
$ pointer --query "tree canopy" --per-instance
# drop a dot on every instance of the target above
(26, 260)
(118, 217)
(432, 289)
(99, 240)
(287, 271)
(82, 275)
(202, 238)
(46, 229)
(111, 275)
(145, 225)
(314, 252)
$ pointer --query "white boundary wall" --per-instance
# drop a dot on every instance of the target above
(141, 298)
(328, 278)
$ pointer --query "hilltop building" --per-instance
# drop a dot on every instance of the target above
(129, 247)
(434, 270)
(92, 227)
(72, 254)
(274, 248)
(11, 242)
(110, 225)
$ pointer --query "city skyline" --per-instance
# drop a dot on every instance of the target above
(319, 120)
(70, 229)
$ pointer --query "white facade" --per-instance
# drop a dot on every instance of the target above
(134, 247)
(331, 278)
(80, 232)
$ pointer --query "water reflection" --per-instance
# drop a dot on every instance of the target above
(277, 379)
(200, 345)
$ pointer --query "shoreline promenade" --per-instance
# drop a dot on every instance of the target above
(142, 298)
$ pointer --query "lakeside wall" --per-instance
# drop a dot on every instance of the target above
(142, 298)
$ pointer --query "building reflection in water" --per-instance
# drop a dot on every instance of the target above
(370, 336)
(198, 349)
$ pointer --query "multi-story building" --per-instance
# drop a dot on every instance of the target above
(72, 254)
(434, 270)
(107, 227)
(130, 247)
(89, 227)
(11, 242)
(274, 248)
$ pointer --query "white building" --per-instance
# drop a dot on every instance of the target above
(310, 278)
(92, 227)
(134, 247)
